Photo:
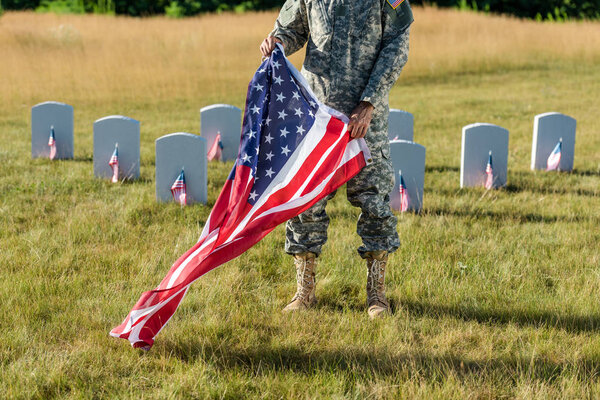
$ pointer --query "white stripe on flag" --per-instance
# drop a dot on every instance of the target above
(207, 241)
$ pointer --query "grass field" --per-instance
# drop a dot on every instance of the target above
(495, 295)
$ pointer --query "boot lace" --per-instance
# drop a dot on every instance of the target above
(304, 279)
(376, 281)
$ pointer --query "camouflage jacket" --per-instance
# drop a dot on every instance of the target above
(355, 51)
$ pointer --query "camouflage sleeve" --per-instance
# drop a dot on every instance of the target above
(291, 26)
(392, 55)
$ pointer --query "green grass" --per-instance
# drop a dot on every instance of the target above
(495, 294)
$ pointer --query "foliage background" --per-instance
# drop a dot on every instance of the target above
(539, 9)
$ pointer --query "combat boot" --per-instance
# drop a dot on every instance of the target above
(305, 280)
(376, 301)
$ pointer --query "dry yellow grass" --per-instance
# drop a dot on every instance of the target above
(100, 58)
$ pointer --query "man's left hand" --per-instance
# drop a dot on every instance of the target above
(360, 118)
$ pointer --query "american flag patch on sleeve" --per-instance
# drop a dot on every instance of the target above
(395, 3)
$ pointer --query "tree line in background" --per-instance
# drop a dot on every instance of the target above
(555, 10)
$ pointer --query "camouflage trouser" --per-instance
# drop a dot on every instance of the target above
(369, 190)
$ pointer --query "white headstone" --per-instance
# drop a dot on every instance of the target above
(225, 119)
(109, 131)
(179, 151)
(400, 125)
(548, 129)
(477, 142)
(44, 116)
(408, 157)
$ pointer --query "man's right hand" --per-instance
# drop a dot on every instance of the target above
(268, 45)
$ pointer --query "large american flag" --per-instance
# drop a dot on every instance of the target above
(293, 152)
(553, 161)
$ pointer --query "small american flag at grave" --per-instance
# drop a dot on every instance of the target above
(179, 189)
(52, 143)
(489, 173)
(294, 151)
(404, 200)
(216, 150)
(554, 157)
(114, 164)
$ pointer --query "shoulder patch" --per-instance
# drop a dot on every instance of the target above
(395, 3)
(400, 13)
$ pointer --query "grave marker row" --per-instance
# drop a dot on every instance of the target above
(484, 157)
(484, 154)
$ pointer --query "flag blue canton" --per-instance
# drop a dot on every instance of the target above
(179, 182)
(277, 116)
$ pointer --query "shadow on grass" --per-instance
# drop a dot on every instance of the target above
(540, 182)
(511, 215)
(86, 158)
(516, 188)
(586, 172)
(360, 363)
(562, 190)
(441, 168)
(521, 182)
(538, 319)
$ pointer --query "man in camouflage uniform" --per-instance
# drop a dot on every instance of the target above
(355, 53)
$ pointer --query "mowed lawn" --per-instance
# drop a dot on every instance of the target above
(495, 294)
